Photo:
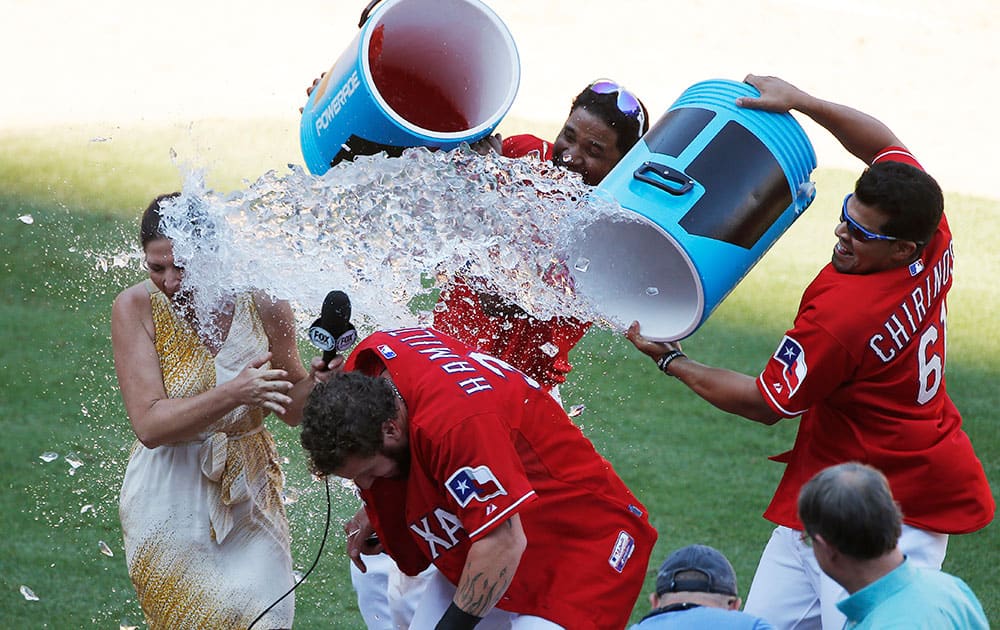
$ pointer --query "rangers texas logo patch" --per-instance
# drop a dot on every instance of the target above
(793, 357)
(479, 483)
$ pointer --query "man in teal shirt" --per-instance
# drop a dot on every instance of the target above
(849, 514)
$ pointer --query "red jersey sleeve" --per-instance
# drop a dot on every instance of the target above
(526, 145)
(808, 365)
(481, 472)
(897, 154)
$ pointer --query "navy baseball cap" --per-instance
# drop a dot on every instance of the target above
(716, 574)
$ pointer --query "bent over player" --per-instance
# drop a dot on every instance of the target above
(863, 365)
(466, 463)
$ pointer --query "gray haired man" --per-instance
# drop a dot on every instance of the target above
(853, 522)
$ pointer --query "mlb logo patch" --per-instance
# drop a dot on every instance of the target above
(477, 483)
(386, 351)
(792, 356)
(622, 551)
(916, 267)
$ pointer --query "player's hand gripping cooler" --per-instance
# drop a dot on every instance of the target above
(713, 186)
(432, 73)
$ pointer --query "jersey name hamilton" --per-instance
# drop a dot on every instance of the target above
(467, 374)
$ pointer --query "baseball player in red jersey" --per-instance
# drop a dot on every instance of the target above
(863, 365)
(466, 463)
(604, 122)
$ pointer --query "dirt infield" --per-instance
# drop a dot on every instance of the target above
(928, 68)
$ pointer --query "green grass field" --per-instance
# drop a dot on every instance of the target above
(703, 474)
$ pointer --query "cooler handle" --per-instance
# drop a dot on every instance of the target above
(367, 10)
(665, 173)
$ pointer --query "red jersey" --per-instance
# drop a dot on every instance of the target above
(539, 348)
(864, 367)
(487, 443)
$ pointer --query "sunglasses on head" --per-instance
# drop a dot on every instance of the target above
(858, 232)
(627, 103)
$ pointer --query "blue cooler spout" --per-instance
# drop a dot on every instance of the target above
(710, 188)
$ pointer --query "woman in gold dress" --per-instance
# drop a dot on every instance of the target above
(206, 537)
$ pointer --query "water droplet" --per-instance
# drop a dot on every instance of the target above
(297, 576)
(26, 219)
(74, 460)
(285, 461)
(28, 594)
(582, 265)
(126, 624)
(87, 508)
(84, 410)
(347, 484)
(103, 546)
(49, 456)
(290, 496)
(550, 349)
(576, 410)
(651, 291)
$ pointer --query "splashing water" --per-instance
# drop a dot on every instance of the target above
(49, 456)
(26, 219)
(105, 549)
(383, 229)
(28, 594)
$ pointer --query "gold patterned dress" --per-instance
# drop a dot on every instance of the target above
(206, 538)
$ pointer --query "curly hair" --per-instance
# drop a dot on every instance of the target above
(605, 107)
(343, 418)
(909, 197)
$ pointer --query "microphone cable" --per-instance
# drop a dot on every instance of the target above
(322, 543)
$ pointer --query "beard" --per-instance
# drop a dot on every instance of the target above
(399, 454)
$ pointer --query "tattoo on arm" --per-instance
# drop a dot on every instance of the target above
(481, 592)
(478, 593)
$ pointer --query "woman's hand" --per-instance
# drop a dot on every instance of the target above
(320, 371)
(261, 387)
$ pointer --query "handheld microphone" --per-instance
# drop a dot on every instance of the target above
(333, 332)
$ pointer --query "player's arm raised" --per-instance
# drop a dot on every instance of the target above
(489, 569)
(862, 134)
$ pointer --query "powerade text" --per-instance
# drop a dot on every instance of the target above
(337, 102)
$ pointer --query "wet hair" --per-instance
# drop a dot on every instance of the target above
(851, 507)
(149, 228)
(909, 197)
(605, 107)
(343, 418)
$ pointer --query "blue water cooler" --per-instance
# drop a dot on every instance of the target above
(709, 189)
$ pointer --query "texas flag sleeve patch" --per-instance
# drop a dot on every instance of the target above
(479, 483)
(792, 357)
